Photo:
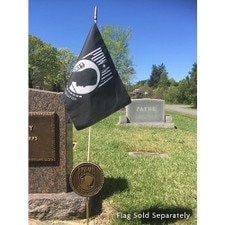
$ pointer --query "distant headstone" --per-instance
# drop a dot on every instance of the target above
(146, 112)
(51, 159)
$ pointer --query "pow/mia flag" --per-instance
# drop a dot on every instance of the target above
(94, 89)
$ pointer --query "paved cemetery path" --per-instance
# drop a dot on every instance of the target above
(182, 109)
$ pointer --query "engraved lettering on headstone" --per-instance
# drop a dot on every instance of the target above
(32, 138)
(146, 109)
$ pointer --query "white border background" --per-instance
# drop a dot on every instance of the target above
(14, 111)
(211, 117)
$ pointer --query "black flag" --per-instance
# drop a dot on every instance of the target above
(94, 89)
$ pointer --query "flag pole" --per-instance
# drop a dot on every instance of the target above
(88, 159)
(87, 210)
(89, 141)
(89, 144)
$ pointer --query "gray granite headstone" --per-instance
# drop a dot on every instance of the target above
(145, 111)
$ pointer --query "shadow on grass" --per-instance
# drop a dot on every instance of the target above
(113, 185)
(159, 216)
(110, 187)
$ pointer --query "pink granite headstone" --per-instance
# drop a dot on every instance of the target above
(49, 168)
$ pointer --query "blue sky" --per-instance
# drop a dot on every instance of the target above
(163, 31)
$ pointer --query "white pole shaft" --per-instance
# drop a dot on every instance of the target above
(89, 144)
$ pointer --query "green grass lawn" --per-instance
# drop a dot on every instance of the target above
(149, 185)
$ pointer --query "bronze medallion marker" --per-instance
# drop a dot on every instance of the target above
(87, 179)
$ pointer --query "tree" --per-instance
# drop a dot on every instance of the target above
(171, 95)
(173, 82)
(67, 61)
(184, 91)
(43, 62)
(141, 83)
(116, 40)
(49, 67)
(163, 80)
(193, 85)
(155, 75)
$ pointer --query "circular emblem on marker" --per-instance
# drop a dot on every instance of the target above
(86, 179)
